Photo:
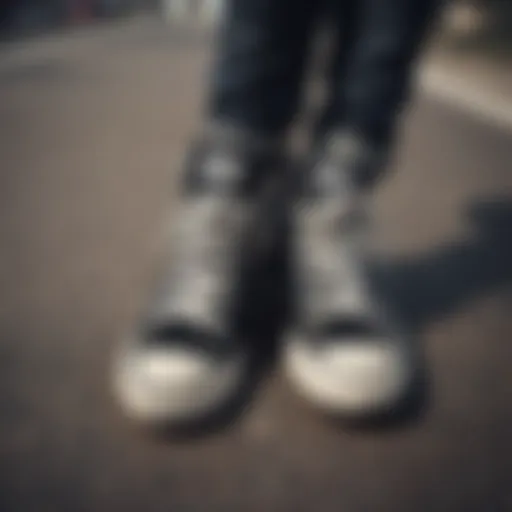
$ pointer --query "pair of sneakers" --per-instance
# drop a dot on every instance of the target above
(344, 355)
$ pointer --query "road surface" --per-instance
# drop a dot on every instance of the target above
(92, 129)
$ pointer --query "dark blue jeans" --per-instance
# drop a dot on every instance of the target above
(264, 49)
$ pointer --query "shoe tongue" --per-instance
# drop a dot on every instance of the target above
(222, 172)
(225, 173)
(331, 180)
(347, 147)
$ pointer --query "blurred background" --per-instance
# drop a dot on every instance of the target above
(98, 99)
(463, 18)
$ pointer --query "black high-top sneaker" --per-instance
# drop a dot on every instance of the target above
(346, 355)
(186, 362)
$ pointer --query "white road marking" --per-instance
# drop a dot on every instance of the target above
(463, 95)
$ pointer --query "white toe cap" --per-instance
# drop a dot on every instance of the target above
(349, 377)
(161, 384)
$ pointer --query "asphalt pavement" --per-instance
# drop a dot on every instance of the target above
(93, 125)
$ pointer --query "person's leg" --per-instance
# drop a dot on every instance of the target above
(372, 74)
(348, 355)
(187, 360)
(342, 21)
(257, 77)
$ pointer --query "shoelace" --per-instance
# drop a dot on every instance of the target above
(329, 253)
(204, 258)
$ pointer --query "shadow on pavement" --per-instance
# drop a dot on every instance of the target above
(429, 288)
